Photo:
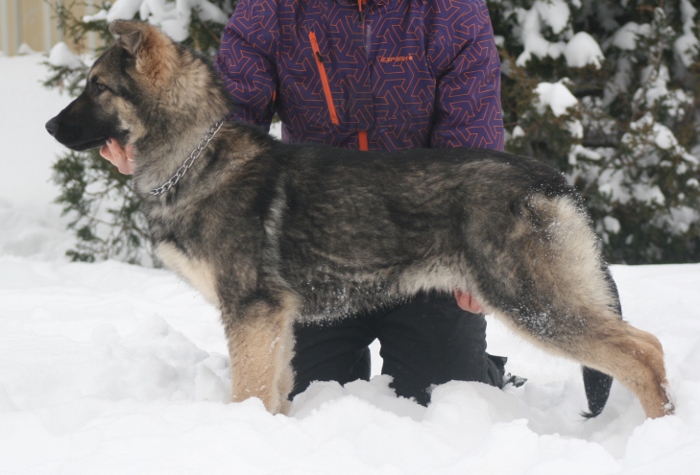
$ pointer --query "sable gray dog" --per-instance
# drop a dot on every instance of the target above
(270, 233)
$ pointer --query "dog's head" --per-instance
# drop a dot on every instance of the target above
(124, 87)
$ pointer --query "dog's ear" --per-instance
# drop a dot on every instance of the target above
(155, 53)
(130, 34)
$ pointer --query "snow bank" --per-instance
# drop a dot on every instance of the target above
(110, 368)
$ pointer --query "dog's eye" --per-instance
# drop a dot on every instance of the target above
(98, 87)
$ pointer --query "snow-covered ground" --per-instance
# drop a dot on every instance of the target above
(110, 368)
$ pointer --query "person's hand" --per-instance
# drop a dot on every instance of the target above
(121, 158)
(467, 302)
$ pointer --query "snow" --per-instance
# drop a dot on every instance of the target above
(533, 40)
(28, 150)
(172, 17)
(121, 10)
(554, 13)
(582, 50)
(579, 51)
(687, 45)
(655, 91)
(611, 224)
(62, 56)
(681, 219)
(626, 37)
(110, 368)
(556, 96)
(578, 150)
(663, 137)
(612, 184)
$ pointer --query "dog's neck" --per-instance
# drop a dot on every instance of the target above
(177, 129)
(157, 162)
(187, 164)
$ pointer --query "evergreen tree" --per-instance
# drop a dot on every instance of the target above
(608, 92)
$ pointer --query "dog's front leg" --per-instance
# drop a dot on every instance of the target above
(261, 345)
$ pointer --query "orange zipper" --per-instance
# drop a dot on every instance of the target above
(362, 140)
(324, 77)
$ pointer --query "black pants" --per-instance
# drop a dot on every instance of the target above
(427, 341)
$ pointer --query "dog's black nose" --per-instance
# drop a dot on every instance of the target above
(52, 126)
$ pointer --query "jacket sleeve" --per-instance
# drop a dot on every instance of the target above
(245, 61)
(468, 98)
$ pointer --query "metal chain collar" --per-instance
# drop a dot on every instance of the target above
(190, 160)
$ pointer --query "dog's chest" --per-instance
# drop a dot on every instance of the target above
(198, 273)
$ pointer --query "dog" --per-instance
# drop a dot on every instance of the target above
(271, 233)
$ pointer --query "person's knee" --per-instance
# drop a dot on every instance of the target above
(335, 352)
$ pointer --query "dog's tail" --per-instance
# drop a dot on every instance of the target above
(597, 386)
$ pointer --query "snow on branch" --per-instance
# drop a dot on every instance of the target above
(173, 17)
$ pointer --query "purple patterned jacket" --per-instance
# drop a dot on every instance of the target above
(368, 74)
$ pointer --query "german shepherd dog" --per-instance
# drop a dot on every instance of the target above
(272, 233)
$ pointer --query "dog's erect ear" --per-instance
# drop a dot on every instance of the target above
(155, 53)
(130, 34)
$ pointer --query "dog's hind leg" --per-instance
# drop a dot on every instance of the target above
(632, 356)
(610, 346)
(261, 345)
(600, 340)
(559, 293)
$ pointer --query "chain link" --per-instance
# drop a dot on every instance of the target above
(190, 160)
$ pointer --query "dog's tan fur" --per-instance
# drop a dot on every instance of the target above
(261, 349)
(200, 274)
(635, 358)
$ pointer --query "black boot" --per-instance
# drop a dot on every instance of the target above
(497, 372)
